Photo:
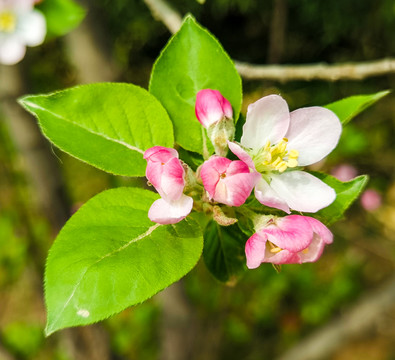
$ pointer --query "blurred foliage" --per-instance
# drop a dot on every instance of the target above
(265, 313)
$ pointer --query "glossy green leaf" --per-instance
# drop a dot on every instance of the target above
(107, 125)
(62, 16)
(193, 60)
(223, 251)
(348, 108)
(110, 256)
(346, 194)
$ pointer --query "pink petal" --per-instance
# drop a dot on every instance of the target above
(302, 191)
(255, 250)
(211, 107)
(164, 212)
(211, 171)
(267, 196)
(228, 182)
(314, 132)
(241, 154)
(292, 233)
(320, 229)
(314, 251)
(267, 119)
(172, 180)
(160, 154)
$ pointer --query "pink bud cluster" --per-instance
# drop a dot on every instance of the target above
(264, 161)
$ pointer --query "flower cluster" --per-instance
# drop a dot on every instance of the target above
(274, 147)
(20, 26)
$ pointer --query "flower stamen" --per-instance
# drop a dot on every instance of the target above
(276, 157)
(7, 21)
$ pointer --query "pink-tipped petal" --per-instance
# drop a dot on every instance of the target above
(211, 171)
(255, 250)
(320, 229)
(267, 196)
(172, 180)
(163, 212)
(292, 233)
(228, 182)
(314, 132)
(314, 251)
(267, 120)
(211, 107)
(302, 191)
(160, 154)
(241, 154)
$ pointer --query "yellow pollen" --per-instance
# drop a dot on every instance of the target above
(275, 250)
(7, 21)
(276, 157)
(305, 251)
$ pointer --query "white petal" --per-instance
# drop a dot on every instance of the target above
(302, 191)
(31, 28)
(267, 119)
(314, 132)
(163, 212)
(267, 196)
(11, 50)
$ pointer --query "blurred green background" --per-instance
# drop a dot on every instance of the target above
(265, 313)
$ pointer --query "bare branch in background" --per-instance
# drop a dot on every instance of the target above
(283, 73)
(357, 321)
(348, 71)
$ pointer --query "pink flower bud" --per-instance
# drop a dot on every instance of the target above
(226, 181)
(211, 107)
(293, 239)
(166, 173)
(344, 172)
(371, 200)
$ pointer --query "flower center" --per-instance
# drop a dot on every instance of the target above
(276, 157)
(7, 21)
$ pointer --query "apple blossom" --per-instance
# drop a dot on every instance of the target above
(20, 26)
(293, 239)
(215, 113)
(166, 173)
(276, 142)
(226, 181)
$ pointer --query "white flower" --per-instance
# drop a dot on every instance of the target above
(20, 26)
(275, 142)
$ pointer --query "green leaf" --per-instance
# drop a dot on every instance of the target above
(62, 16)
(348, 108)
(223, 251)
(346, 194)
(110, 256)
(107, 125)
(193, 60)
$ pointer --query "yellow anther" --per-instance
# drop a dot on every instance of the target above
(267, 146)
(305, 251)
(7, 21)
(292, 163)
(275, 250)
(293, 154)
(282, 166)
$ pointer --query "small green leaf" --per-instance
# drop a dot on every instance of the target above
(193, 60)
(223, 251)
(110, 256)
(107, 125)
(348, 108)
(346, 194)
(62, 16)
